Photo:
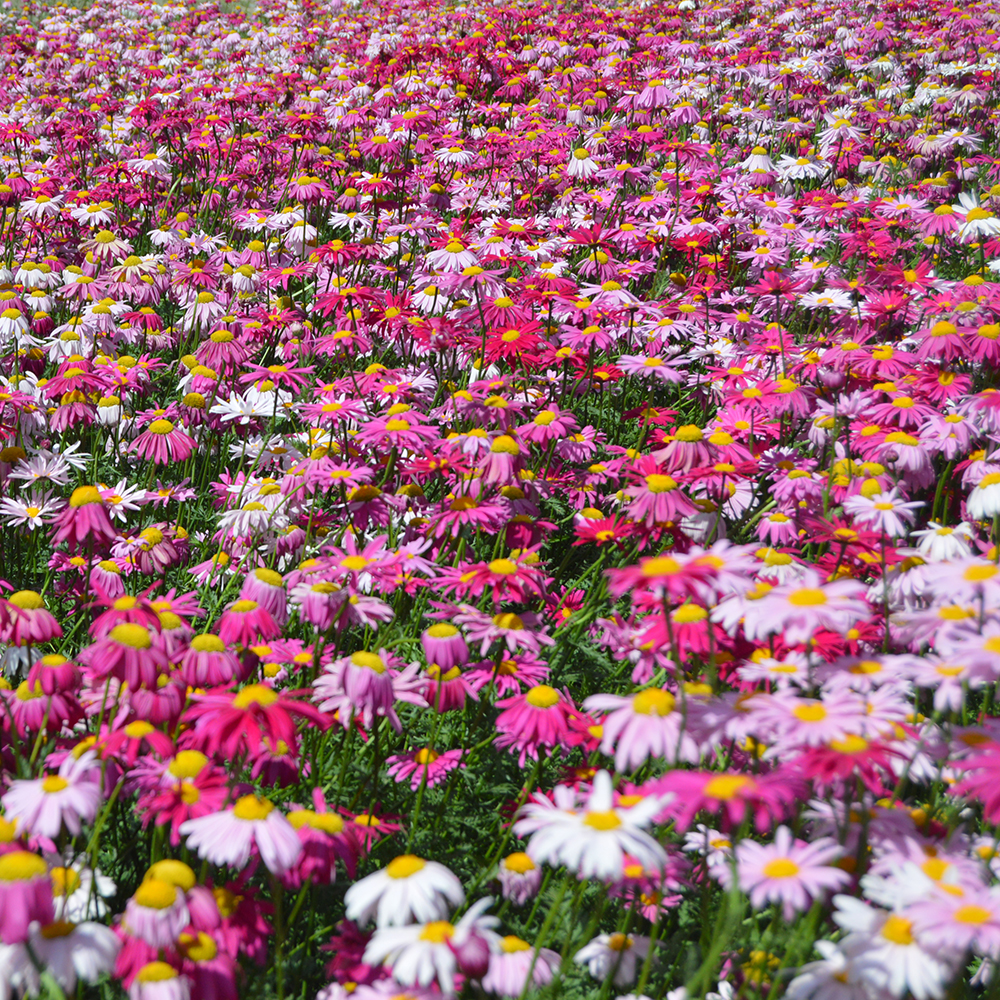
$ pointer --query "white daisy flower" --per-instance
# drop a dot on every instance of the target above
(409, 889)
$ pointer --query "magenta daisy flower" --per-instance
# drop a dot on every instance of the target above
(538, 718)
(25, 895)
(84, 520)
(24, 619)
(246, 623)
(132, 653)
(655, 496)
(417, 764)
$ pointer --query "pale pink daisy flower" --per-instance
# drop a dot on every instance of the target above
(787, 871)
(786, 718)
(159, 981)
(953, 921)
(228, 838)
(643, 725)
(798, 609)
(884, 512)
(41, 806)
(157, 913)
(885, 952)
(365, 685)
(511, 965)
(520, 878)
(613, 953)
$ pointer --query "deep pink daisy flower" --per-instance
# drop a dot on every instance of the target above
(163, 442)
(538, 718)
(238, 722)
(84, 520)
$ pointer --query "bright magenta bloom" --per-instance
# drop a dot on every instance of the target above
(238, 723)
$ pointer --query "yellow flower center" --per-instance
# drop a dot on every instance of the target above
(188, 764)
(898, 930)
(252, 808)
(781, 868)
(657, 483)
(437, 931)
(807, 597)
(156, 894)
(175, 872)
(972, 914)
(20, 866)
(519, 862)
(156, 972)
(653, 701)
(607, 820)
(255, 694)
(725, 786)
(404, 866)
(370, 660)
(542, 696)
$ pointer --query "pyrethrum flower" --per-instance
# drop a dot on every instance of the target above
(229, 837)
(647, 724)
(42, 806)
(424, 953)
(409, 889)
(25, 895)
(594, 839)
(787, 871)
(615, 955)
(512, 963)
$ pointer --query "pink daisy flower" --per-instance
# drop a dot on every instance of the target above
(267, 589)
(157, 913)
(789, 871)
(538, 718)
(163, 442)
(425, 761)
(799, 609)
(207, 663)
(959, 920)
(84, 520)
(325, 837)
(247, 622)
(643, 725)
(444, 645)
(230, 837)
(513, 963)
(25, 895)
(42, 806)
(655, 496)
(25, 620)
(132, 653)
(520, 878)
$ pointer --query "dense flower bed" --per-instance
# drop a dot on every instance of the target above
(499, 499)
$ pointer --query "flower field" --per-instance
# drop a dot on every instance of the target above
(499, 499)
